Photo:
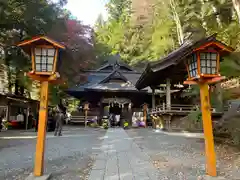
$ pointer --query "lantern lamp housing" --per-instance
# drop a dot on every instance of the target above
(44, 54)
(203, 64)
(45, 59)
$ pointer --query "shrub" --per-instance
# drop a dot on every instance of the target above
(194, 120)
(94, 125)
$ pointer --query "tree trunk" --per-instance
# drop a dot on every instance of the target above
(16, 87)
(215, 11)
(177, 22)
(28, 94)
(236, 5)
(8, 73)
(21, 90)
(219, 96)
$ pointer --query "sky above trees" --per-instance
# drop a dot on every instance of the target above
(87, 11)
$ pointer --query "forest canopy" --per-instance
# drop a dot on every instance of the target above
(24, 19)
(143, 31)
(139, 30)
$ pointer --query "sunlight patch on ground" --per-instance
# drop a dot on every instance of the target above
(18, 137)
(103, 137)
(34, 137)
(183, 134)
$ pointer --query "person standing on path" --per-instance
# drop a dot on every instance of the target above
(61, 111)
(1, 120)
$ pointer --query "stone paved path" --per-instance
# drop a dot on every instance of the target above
(122, 159)
(68, 157)
(178, 156)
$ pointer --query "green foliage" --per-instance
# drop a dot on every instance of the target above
(192, 91)
(139, 35)
(195, 116)
(133, 40)
(105, 125)
(19, 20)
(94, 125)
(73, 104)
(54, 95)
(230, 67)
(24, 19)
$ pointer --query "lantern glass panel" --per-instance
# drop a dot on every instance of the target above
(38, 51)
(208, 61)
(204, 70)
(192, 66)
(44, 59)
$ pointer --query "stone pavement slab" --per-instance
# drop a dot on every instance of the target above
(206, 177)
(44, 177)
(124, 160)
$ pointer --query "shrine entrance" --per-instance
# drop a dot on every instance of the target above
(119, 106)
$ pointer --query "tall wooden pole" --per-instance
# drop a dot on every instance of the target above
(208, 132)
(168, 93)
(145, 106)
(153, 98)
(42, 123)
(85, 117)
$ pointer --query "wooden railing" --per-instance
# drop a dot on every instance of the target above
(178, 108)
(79, 116)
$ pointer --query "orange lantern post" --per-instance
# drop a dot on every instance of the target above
(203, 69)
(44, 54)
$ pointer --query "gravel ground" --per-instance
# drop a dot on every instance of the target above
(181, 158)
(68, 157)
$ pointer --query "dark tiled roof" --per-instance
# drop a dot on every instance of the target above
(113, 62)
(98, 80)
(115, 74)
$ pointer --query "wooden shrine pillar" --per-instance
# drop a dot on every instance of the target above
(168, 93)
(27, 115)
(153, 98)
(145, 107)
(86, 109)
(129, 110)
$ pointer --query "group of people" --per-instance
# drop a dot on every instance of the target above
(113, 112)
(58, 116)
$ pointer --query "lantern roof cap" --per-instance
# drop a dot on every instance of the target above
(38, 40)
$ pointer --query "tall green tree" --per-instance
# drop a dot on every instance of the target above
(24, 19)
